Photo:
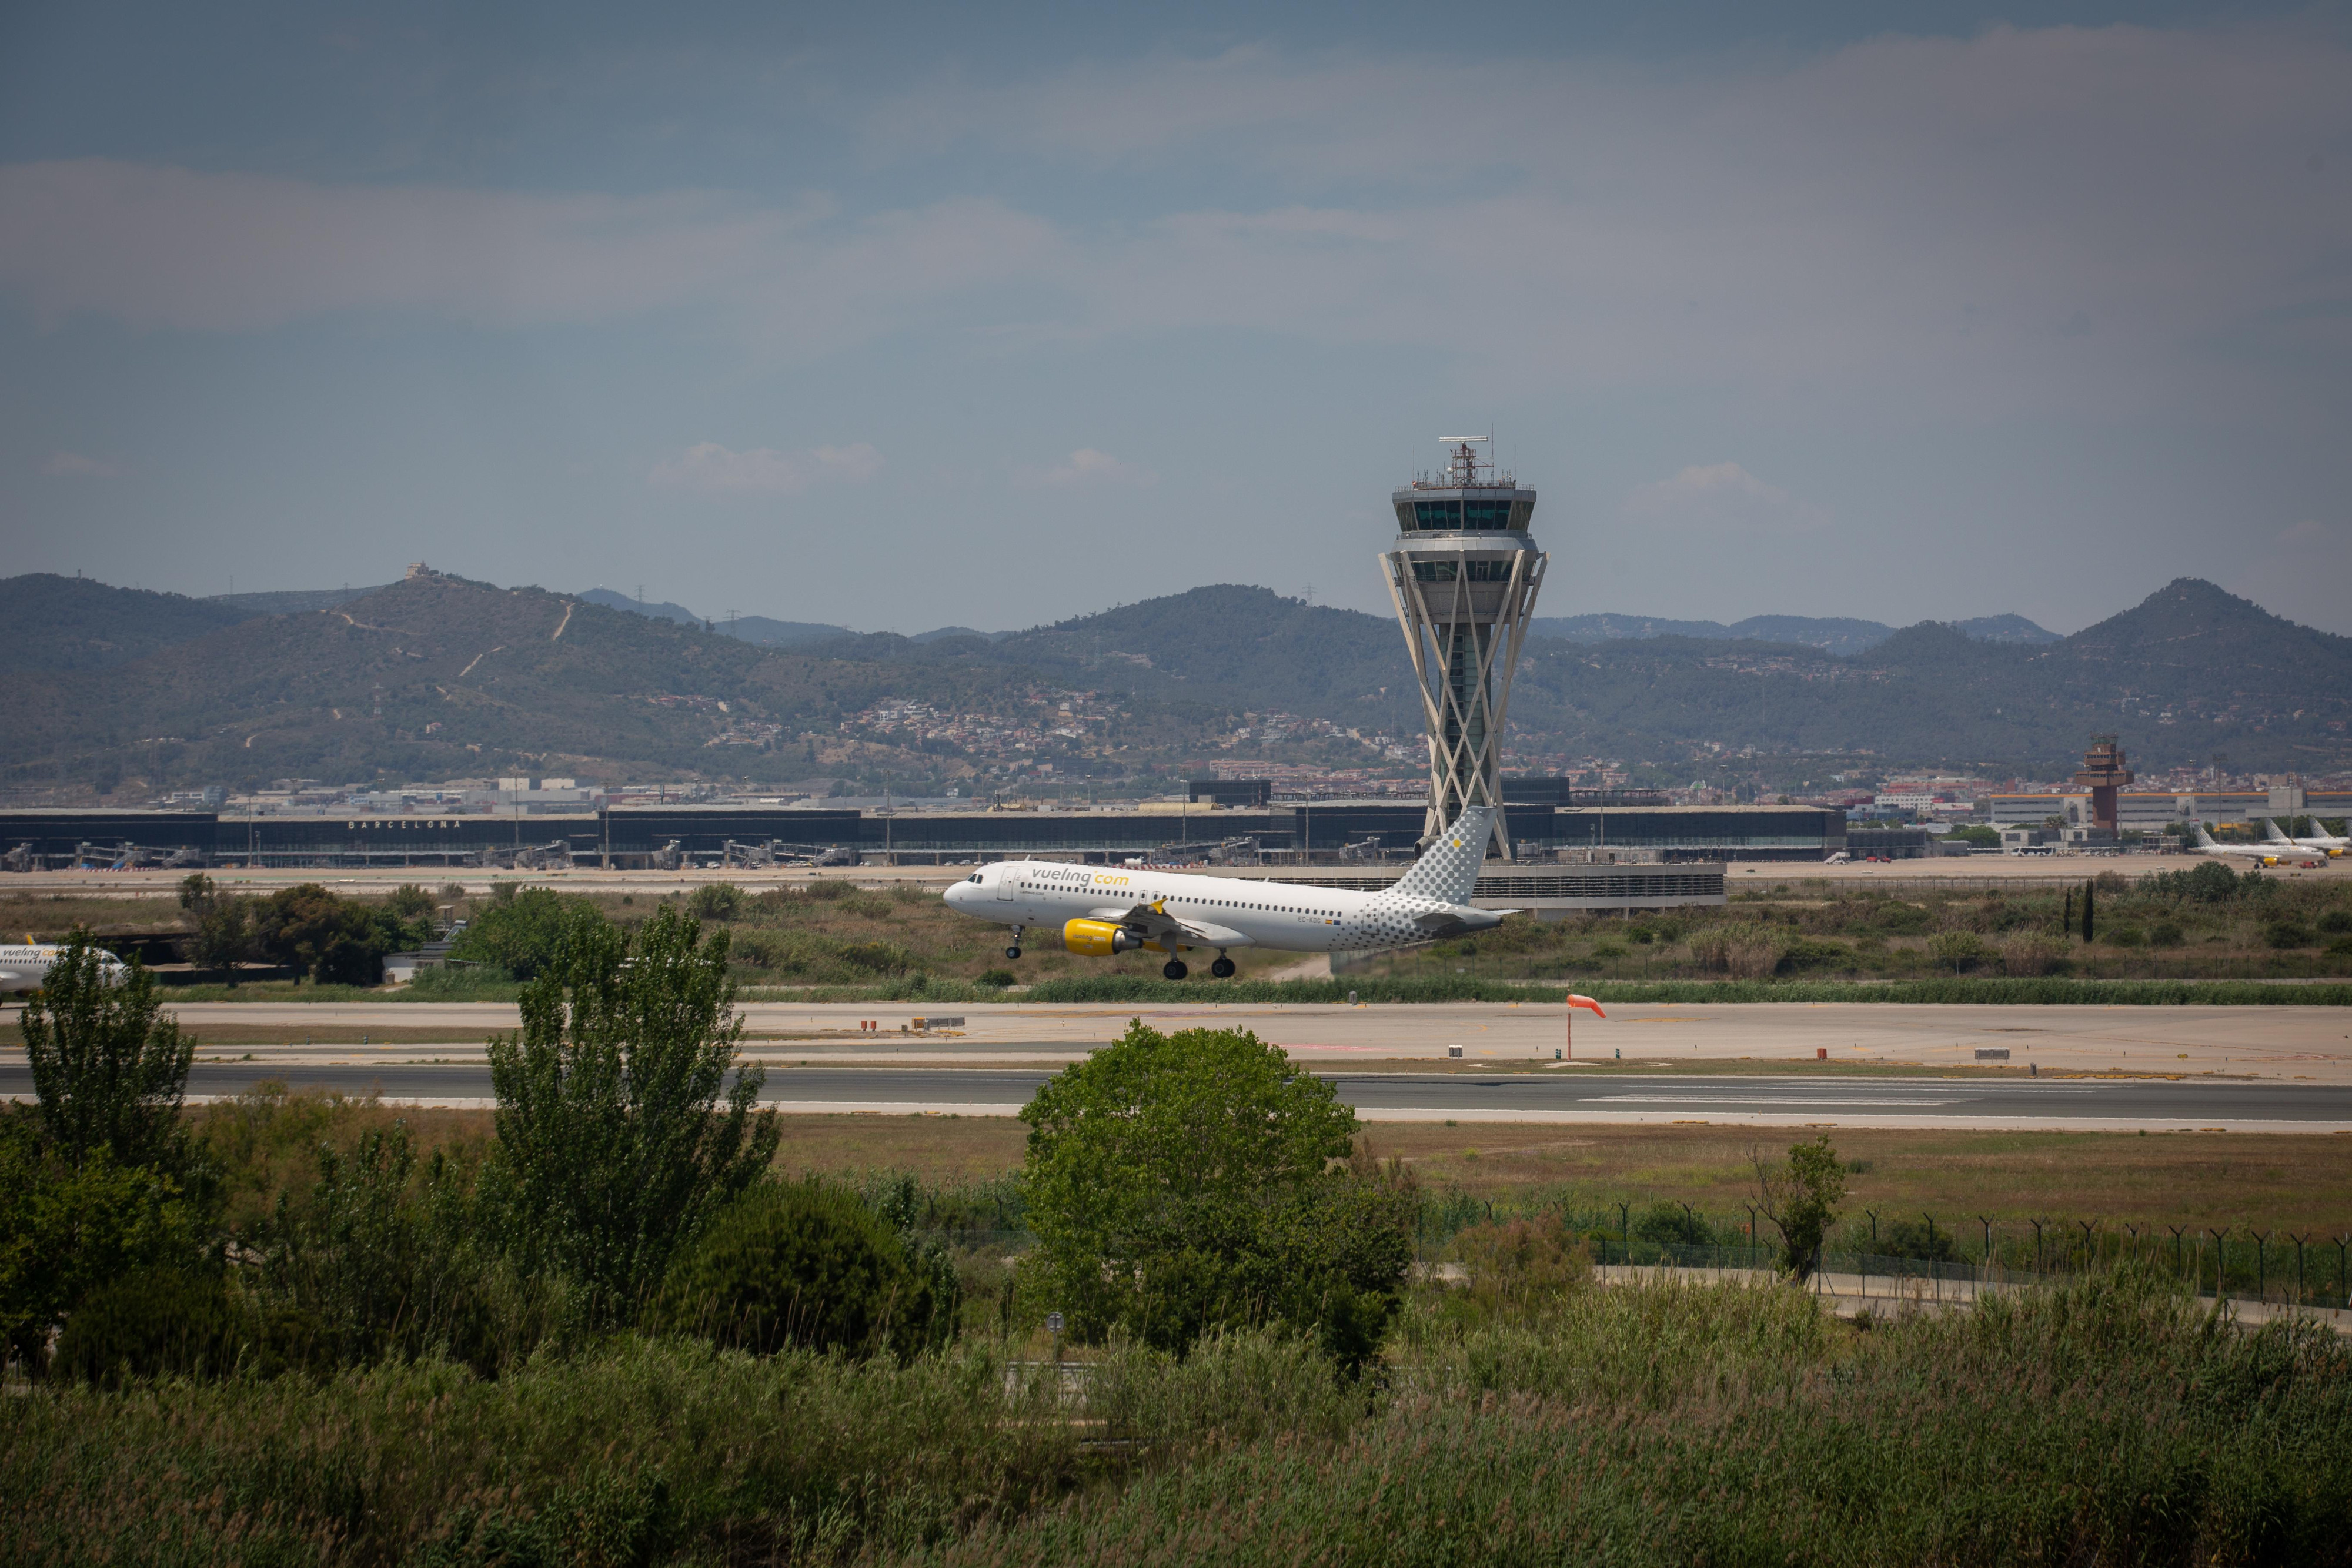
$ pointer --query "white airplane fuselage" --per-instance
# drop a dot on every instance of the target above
(1216, 911)
(25, 966)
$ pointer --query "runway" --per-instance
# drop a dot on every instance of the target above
(1541, 1095)
(2287, 1043)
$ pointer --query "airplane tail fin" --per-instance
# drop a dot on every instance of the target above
(1448, 869)
(2204, 839)
(2273, 832)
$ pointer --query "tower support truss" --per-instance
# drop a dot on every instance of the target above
(1464, 576)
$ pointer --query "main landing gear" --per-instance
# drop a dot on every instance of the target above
(1174, 969)
(1014, 951)
(1222, 969)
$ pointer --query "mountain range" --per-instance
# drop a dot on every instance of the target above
(1831, 635)
(436, 676)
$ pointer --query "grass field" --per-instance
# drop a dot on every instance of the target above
(902, 942)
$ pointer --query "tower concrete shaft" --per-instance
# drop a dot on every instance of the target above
(1462, 575)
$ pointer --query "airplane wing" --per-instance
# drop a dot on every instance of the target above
(1157, 925)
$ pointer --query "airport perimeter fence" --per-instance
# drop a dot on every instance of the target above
(2310, 1267)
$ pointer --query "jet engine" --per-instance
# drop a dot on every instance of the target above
(1099, 938)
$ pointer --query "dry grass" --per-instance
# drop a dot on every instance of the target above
(2296, 1181)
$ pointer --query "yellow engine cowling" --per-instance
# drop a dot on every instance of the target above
(1099, 938)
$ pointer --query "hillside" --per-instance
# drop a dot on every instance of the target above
(438, 677)
(759, 630)
(51, 622)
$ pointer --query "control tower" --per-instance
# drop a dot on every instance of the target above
(1463, 574)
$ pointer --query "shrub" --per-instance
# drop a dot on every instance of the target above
(2125, 937)
(1916, 1239)
(521, 929)
(1743, 949)
(67, 1230)
(2334, 922)
(716, 900)
(2030, 953)
(1956, 950)
(1669, 1224)
(809, 1264)
(2166, 934)
(153, 1324)
(1518, 1267)
(997, 978)
(1899, 919)
(2284, 933)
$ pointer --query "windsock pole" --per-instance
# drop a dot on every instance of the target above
(1574, 1002)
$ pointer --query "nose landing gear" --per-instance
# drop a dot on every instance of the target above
(1014, 951)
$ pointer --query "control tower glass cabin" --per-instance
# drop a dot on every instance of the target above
(1463, 574)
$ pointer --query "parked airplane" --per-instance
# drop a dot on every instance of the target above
(27, 968)
(1102, 910)
(2261, 854)
(2322, 842)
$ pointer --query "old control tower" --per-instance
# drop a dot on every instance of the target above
(1462, 575)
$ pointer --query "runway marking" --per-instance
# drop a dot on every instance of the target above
(1786, 1102)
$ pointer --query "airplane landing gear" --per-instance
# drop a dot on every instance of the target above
(1222, 969)
(1174, 969)
(1014, 950)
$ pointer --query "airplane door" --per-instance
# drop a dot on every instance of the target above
(1005, 887)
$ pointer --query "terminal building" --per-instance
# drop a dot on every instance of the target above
(669, 837)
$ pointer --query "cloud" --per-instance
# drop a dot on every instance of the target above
(1088, 467)
(1935, 219)
(74, 465)
(714, 470)
(1723, 499)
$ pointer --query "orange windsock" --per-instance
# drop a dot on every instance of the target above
(1587, 1002)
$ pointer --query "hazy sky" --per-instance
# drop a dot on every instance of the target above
(899, 316)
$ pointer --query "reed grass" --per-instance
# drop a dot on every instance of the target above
(2112, 1419)
(2110, 1422)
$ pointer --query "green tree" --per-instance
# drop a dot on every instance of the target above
(198, 893)
(69, 1228)
(109, 1069)
(2090, 912)
(334, 941)
(1801, 1198)
(411, 903)
(1179, 1183)
(223, 936)
(519, 931)
(609, 1130)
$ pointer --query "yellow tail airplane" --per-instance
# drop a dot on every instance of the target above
(1097, 911)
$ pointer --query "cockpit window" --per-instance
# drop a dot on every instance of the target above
(974, 877)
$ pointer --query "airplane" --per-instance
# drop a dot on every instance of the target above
(1103, 910)
(2261, 854)
(27, 968)
(2332, 845)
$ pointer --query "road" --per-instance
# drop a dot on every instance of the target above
(2287, 1043)
(1541, 1095)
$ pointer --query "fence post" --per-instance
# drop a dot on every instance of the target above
(1931, 1253)
(1984, 1264)
(2261, 1265)
(2037, 1246)
(2089, 1261)
(2176, 1231)
(1625, 1225)
(2301, 1295)
(2220, 1263)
